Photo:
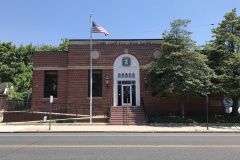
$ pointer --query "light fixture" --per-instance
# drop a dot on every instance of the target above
(145, 81)
(107, 80)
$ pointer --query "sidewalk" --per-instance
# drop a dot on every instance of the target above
(102, 127)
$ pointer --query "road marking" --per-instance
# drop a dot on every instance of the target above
(119, 146)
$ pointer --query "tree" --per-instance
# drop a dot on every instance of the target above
(16, 66)
(16, 69)
(223, 56)
(182, 70)
(63, 46)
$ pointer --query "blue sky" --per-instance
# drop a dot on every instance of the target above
(47, 21)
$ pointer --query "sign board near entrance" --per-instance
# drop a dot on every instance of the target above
(126, 61)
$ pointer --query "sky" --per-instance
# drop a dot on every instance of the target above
(48, 21)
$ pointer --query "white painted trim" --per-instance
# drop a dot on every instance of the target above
(118, 68)
(49, 68)
(71, 68)
(87, 67)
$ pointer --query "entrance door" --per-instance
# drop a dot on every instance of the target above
(126, 96)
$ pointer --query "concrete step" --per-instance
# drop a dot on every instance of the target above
(127, 115)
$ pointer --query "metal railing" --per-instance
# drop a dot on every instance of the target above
(22, 111)
(17, 105)
(110, 107)
(125, 115)
(144, 108)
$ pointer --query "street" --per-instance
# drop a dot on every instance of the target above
(119, 146)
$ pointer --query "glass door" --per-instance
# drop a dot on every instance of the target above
(126, 95)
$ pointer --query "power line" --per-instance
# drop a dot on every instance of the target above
(160, 30)
(111, 35)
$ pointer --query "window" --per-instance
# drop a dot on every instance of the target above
(50, 84)
(126, 75)
(130, 75)
(133, 75)
(96, 83)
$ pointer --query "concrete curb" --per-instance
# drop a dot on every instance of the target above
(105, 128)
(56, 124)
(150, 124)
(121, 132)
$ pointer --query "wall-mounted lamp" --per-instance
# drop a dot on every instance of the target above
(107, 80)
(145, 80)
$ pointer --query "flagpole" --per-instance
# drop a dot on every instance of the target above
(91, 68)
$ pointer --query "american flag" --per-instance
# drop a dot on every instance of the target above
(98, 29)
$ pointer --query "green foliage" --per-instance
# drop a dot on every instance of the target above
(64, 45)
(227, 34)
(61, 47)
(178, 38)
(230, 80)
(182, 70)
(223, 53)
(16, 66)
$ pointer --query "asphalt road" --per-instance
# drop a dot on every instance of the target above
(119, 146)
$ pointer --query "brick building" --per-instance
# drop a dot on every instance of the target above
(117, 68)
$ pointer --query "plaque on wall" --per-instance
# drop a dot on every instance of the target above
(126, 61)
(216, 103)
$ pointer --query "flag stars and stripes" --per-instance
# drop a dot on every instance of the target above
(98, 29)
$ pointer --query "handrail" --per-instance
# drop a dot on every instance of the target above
(110, 109)
(144, 108)
(127, 116)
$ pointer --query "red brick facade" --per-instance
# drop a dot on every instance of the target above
(73, 66)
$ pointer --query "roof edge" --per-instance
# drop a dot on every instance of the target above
(115, 41)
